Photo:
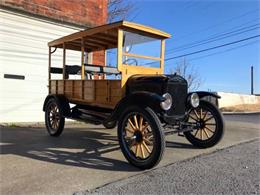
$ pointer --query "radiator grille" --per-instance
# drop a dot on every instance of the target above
(178, 92)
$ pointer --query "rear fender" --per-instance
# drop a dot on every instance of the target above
(62, 102)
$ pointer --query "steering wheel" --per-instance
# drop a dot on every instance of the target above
(129, 60)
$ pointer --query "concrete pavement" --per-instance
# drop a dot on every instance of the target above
(233, 170)
(86, 157)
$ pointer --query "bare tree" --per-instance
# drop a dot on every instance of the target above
(119, 9)
(189, 72)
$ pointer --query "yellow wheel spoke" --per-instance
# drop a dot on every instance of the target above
(148, 141)
(150, 137)
(201, 134)
(206, 133)
(136, 123)
(129, 130)
(145, 126)
(210, 124)
(210, 130)
(141, 123)
(131, 124)
(196, 133)
(208, 119)
(193, 118)
(205, 115)
(132, 144)
(196, 114)
(137, 150)
(142, 151)
(54, 124)
(146, 147)
(201, 113)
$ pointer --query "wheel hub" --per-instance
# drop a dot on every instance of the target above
(138, 136)
(202, 123)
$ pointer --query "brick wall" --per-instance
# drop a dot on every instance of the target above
(82, 12)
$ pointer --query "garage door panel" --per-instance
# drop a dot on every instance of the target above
(24, 51)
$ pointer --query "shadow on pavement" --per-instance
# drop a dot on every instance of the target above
(177, 145)
(79, 147)
(75, 147)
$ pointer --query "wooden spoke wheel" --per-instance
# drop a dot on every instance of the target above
(141, 138)
(210, 125)
(54, 121)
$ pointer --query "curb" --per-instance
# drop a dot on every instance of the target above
(240, 113)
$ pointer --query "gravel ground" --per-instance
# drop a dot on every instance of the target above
(234, 170)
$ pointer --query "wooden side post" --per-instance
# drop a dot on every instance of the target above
(82, 68)
(64, 67)
(82, 60)
(162, 55)
(49, 71)
(64, 62)
(119, 49)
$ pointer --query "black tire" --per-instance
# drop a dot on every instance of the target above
(54, 121)
(151, 127)
(110, 124)
(210, 114)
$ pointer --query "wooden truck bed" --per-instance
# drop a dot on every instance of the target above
(103, 93)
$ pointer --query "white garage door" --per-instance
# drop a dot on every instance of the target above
(24, 65)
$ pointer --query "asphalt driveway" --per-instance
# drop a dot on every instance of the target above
(233, 170)
(86, 157)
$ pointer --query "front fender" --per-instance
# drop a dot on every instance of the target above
(203, 94)
(207, 96)
(144, 99)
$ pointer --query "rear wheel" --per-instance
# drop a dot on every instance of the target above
(210, 125)
(54, 121)
(141, 137)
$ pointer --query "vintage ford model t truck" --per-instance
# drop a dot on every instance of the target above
(135, 95)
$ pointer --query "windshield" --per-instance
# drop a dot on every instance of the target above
(139, 50)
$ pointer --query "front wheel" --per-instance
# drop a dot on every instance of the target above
(141, 137)
(210, 125)
(54, 121)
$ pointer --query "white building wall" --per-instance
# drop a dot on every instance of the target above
(24, 51)
(233, 99)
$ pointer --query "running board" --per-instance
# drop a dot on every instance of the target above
(88, 116)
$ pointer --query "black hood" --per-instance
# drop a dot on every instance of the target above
(151, 83)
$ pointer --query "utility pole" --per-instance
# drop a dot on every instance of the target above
(252, 80)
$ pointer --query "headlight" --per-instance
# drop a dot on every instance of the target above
(167, 103)
(194, 100)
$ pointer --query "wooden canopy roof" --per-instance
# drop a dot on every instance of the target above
(105, 36)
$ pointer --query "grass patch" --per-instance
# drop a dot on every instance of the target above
(242, 108)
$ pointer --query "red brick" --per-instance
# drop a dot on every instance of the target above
(83, 12)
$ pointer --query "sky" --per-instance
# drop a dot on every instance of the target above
(225, 69)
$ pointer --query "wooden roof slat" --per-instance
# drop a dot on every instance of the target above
(106, 36)
(90, 43)
(87, 47)
(110, 30)
(99, 42)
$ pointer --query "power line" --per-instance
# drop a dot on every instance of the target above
(212, 39)
(221, 23)
(227, 50)
(233, 28)
(219, 34)
(211, 48)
